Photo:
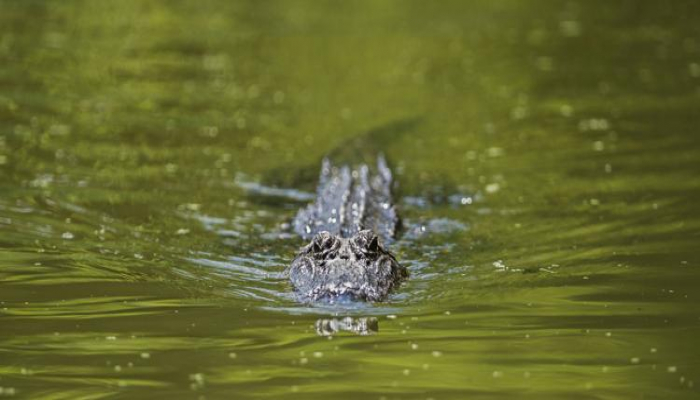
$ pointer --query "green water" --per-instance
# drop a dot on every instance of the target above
(150, 152)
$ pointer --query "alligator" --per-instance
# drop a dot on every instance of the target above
(348, 226)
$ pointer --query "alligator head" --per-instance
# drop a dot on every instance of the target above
(355, 268)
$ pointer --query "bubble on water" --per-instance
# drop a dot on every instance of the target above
(42, 181)
(259, 142)
(59, 130)
(214, 62)
(594, 124)
(497, 374)
(278, 97)
(192, 207)
(111, 337)
(545, 64)
(197, 381)
(694, 70)
(495, 152)
(493, 187)
(253, 91)
(318, 354)
(498, 264)
(232, 355)
(518, 113)
(182, 231)
(145, 355)
(570, 28)
(436, 353)
(672, 369)
(566, 110)
(67, 235)
(635, 360)
(414, 346)
(55, 40)
(407, 372)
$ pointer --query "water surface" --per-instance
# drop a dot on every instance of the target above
(547, 153)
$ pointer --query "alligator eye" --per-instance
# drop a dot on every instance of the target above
(367, 241)
(323, 241)
(373, 244)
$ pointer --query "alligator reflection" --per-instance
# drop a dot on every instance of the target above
(360, 326)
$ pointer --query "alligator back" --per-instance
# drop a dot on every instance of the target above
(349, 200)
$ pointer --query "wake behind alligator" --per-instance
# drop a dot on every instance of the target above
(348, 225)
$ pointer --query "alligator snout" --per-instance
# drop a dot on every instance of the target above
(344, 253)
(357, 268)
